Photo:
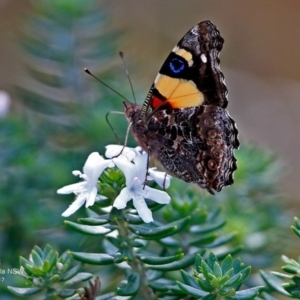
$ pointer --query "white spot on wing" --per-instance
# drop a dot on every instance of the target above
(203, 58)
(175, 49)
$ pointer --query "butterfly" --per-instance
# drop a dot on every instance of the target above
(183, 122)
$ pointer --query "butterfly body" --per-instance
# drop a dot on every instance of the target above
(183, 122)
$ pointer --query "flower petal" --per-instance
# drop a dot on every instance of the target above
(141, 166)
(79, 201)
(122, 199)
(76, 173)
(117, 150)
(161, 178)
(157, 196)
(72, 188)
(141, 207)
(91, 197)
(94, 166)
(128, 168)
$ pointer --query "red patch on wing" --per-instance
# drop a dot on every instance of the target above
(156, 102)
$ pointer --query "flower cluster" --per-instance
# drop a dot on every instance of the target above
(133, 162)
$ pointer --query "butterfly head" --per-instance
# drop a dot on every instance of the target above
(132, 111)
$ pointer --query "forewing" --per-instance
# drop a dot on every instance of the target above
(191, 74)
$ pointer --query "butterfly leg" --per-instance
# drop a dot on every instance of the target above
(164, 183)
(147, 167)
(125, 142)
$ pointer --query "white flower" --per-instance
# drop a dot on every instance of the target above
(119, 150)
(136, 189)
(161, 178)
(86, 190)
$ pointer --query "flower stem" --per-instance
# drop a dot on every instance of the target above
(137, 266)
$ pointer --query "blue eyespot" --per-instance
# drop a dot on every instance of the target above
(176, 65)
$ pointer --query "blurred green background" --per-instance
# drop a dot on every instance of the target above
(57, 112)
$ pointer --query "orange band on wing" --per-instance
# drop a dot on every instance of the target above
(186, 101)
(177, 92)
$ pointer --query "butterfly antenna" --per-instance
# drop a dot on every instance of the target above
(127, 74)
(88, 72)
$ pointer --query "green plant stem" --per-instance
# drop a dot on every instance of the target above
(137, 266)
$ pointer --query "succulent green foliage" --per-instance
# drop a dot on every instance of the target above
(160, 256)
(214, 280)
(48, 273)
(254, 206)
(182, 230)
(287, 283)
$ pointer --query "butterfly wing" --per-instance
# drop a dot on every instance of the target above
(191, 74)
(183, 122)
(195, 144)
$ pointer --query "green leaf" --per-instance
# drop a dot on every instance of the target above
(239, 277)
(161, 285)
(290, 269)
(187, 261)
(26, 264)
(217, 270)
(54, 278)
(274, 282)
(93, 258)
(281, 275)
(296, 230)
(293, 289)
(86, 229)
(212, 259)
(130, 286)
(51, 256)
(227, 264)
(65, 259)
(48, 252)
(116, 214)
(198, 262)
(36, 258)
(66, 293)
(38, 250)
(46, 266)
(94, 221)
(115, 241)
(160, 260)
(136, 244)
(191, 290)
(205, 285)
(159, 232)
(23, 291)
(234, 280)
(72, 272)
(204, 240)
(206, 270)
(80, 277)
(248, 294)
(297, 222)
(133, 219)
(170, 242)
(227, 293)
(37, 272)
(206, 228)
(189, 279)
